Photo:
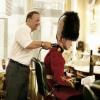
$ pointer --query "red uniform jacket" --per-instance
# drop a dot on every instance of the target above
(54, 63)
(54, 66)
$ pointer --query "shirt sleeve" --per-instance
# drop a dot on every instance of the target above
(57, 65)
(23, 37)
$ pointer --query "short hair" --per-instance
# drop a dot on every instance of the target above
(30, 14)
(71, 25)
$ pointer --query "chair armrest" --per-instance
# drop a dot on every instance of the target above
(95, 86)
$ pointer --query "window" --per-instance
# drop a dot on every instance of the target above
(3, 37)
(2, 7)
(11, 15)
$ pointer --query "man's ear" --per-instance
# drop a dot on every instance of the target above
(62, 38)
(29, 19)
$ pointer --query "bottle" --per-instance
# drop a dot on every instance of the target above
(3, 63)
(91, 68)
(98, 49)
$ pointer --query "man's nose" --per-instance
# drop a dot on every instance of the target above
(38, 24)
(71, 44)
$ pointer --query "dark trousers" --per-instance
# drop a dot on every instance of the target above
(17, 80)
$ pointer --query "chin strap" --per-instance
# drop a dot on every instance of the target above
(60, 49)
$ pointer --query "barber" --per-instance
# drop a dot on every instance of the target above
(17, 72)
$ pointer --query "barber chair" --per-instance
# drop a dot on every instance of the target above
(41, 80)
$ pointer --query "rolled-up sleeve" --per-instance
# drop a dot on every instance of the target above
(23, 37)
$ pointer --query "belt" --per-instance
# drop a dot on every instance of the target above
(49, 77)
(17, 63)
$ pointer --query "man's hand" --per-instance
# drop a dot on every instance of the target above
(70, 82)
(46, 45)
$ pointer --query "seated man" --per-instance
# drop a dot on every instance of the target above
(68, 31)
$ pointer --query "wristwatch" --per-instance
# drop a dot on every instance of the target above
(42, 44)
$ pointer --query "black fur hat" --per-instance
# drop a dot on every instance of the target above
(71, 25)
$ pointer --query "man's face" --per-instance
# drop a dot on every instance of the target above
(35, 21)
(66, 43)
